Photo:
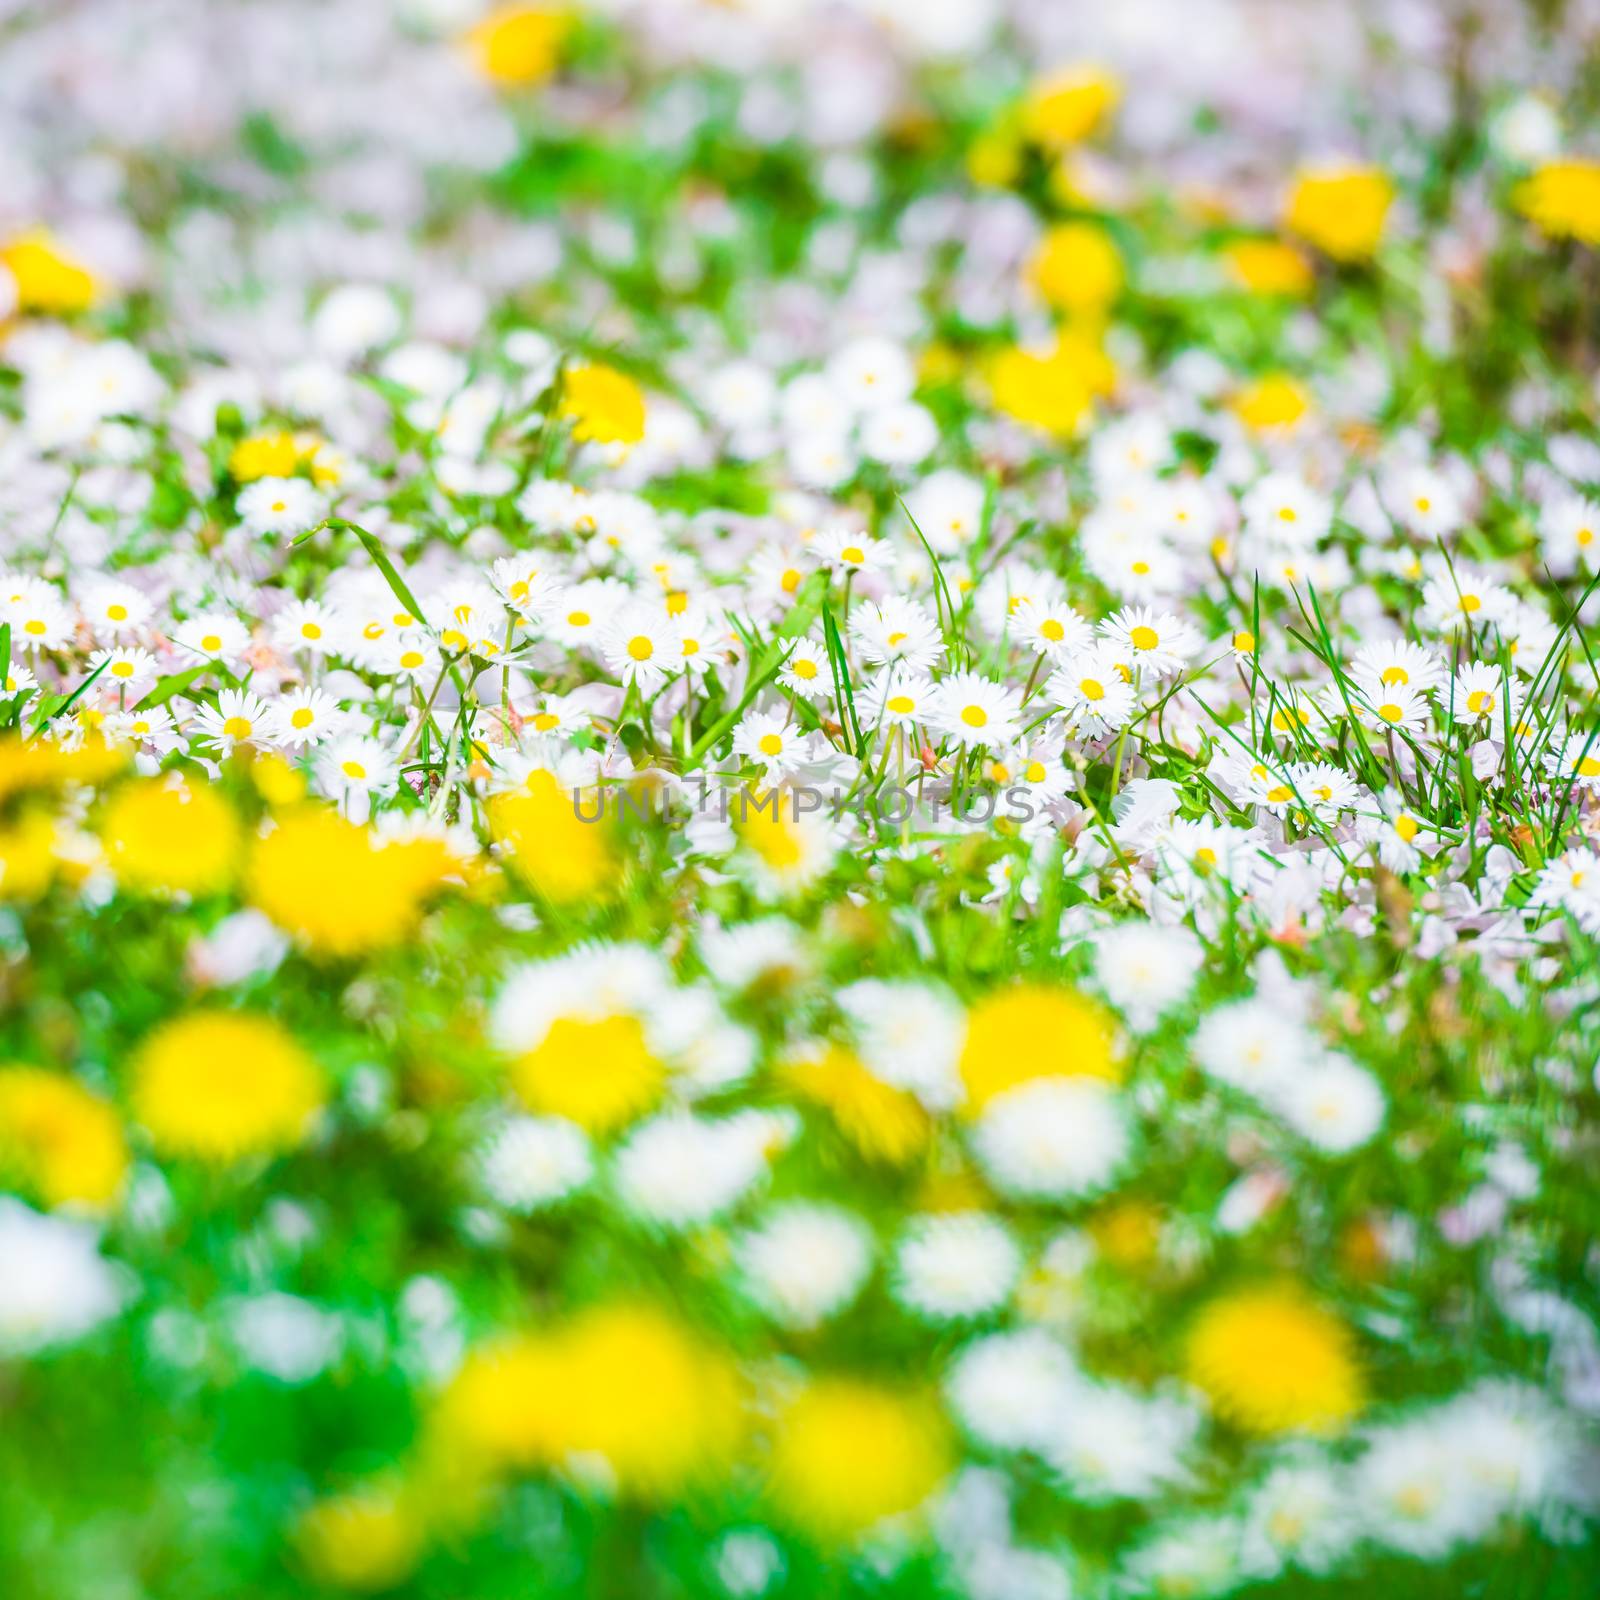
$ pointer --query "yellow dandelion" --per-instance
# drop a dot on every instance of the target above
(881, 1121)
(1269, 267)
(264, 455)
(1053, 392)
(334, 887)
(1271, 1361)
(623, 1383)
(1070, 105)
(57, 1140)
(47, 278)
(1077, 268)
(606, 406)
(218, 1085)
(366, 1539)
(848, 1454)
(1274, 403)
(549, 846)
(1562, 199)
(160, 835)
(600, 1073)
(518, 45)
(1034, 1030)
(1340, 209)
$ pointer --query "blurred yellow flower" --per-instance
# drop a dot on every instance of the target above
(1340, 209)
(848, 1453)
(606, 406)
(57, 1140)
(1077, 268)
(1273, 1362)
(28, 855)
(1562, 199)
(1053, 392)
(518, 45)
(880, 1120)
(219, 1085)
(1275, 402)
(548, 844)
(1268, 267)
(177, 836)
(1069, 105)
(994, 158)
(48, 280)
(336, 888)
(1034, 1030)
(624, 1383)
(600, 1073)
(366, 1539)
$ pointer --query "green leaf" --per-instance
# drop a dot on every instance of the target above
(174, 684)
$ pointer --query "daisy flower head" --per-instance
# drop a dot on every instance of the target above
(213, 636)
(767, 739)
(898, 698)
(1480, 694)
(898, 632)
(557, 714)
(1571, 881)
(1329, 790)
(900, 435)
(1464, 598)
(279, 506)
(353, 768)
(1423, 502)
(979, 711)
(1398, 663)
(698, 641)
(955, 1267)
(306, 717)
(1198, 857)
(152, 729)
(239, 717)
(304, 625)
(470, 617)
(1578, 760)
(1569, 530)
(406, 655)
(114, 609)
(39, 618)
(847, 549)
(125, 669)
(640, 645)
(1093, 695)
(1054, 631)
(1393, 708)
(777, 571)
(525, 583)
(947, 508)
(1131, 561)
(582, 614)
(1155, 644)
(1283, 509)
(807, 671)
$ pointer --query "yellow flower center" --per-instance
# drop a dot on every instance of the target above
(900, 704)
(974, 716)
(1143, 638)
(640, 648)
(238, 727)
(770, 745)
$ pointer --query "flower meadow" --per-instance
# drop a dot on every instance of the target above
(799, 799)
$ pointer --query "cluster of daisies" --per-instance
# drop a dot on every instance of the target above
(784, 818)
